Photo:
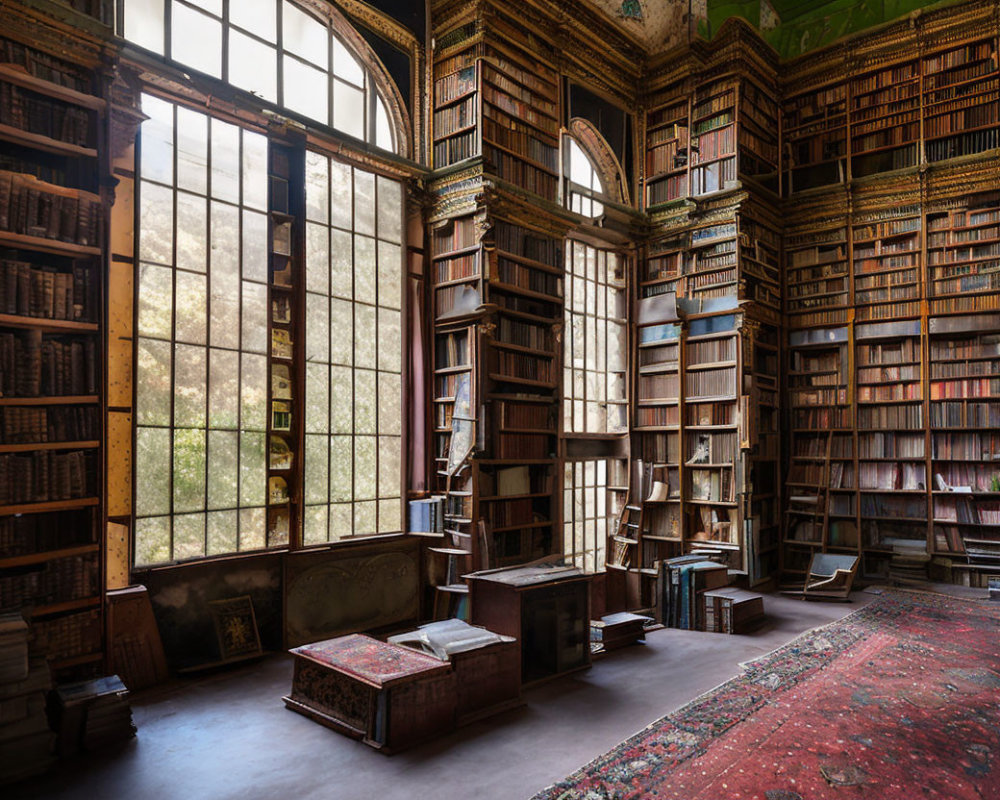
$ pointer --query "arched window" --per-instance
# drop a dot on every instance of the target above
(583, 184)
(279, 52)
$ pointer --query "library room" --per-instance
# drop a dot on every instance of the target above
(542, 399)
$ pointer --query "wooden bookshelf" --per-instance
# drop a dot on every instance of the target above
(53, 220)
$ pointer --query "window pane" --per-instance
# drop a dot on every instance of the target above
(222, 532)
(383, 127)
(389, 465)
(317, 328)
(224, 383)
(389, 271)
(315, 531)
(341, 521)
(317, 257)
(253, 534)
(152, 540)
(341, 400)
(225, 161)
(389, 411)
(152, 456)
(253, 64)
(341, 332)
(156, 223)
(189, 470)
(390, 216)
(192, 151)
(223, 468)
(189, 385)
(364, 469)
(255, 246)
(341, 265)
(364, 401)
(304, 35)
(253, 393)
(317, 398)
(189, 536)
(390, 342)
(153, 368)
(192, 232)
(225, 280)
(253, 469)
(316, 469)
(341, 468)
(254, 317)
(364, 202)
(317, 187)
(155, 301)
(255, 170)
(348, 109)
(192, 301)
(302, 90)
(365, 336)
(144, 26)
(341, 195)
(364, 269)
(157, 142)
(256, 16)
(196, 40)
(345, 66)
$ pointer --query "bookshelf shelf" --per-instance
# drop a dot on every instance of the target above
(41, 557)
(50, 505)
(40, 244)
(45, 324)
(9, 133)
(14, 74)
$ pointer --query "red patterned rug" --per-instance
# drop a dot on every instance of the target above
(899, 700)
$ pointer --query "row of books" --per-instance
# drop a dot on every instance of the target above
(960, 255)
(524, 277)
(713, 485)
(890, 96)
(426, 515)
(670, 188)
(21, 534)
(712, 145)
(657, 416)
(966, 477)
(456, 148)
(537, 101)
(662, 355)
(821, 418)
(509, 133)
(966, 415)
(46, 475)
(966, 446)
(970, 387)
(713, 177)
(888, 506)
(891, 475)
(515, 414)
(896, 310)
(659, 386)
(520, 110)
(525, 366)
(38, 424)
(702, 414)
(710, 383)
(948, 122)
(902, 417)
(56, 581)
(68, 636)
(523, 445)
(964, 510)
(451, 87)
(890, 392)
(524, 242)
(885, 77)
(36, 208)
(890, 445)
(456, 268)
(719, 102)
(538, 77)
(711, 351)
(522, 174)
(525, 334)
(661, 448)
(38, 291)
(711, 448)
(32, 365)
(457, 234)
(43, 116)
(979, 51)
(454, 118)
(963, 144)
(45, 66)
(965, 304)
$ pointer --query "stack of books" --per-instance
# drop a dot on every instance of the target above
(25, 738)
(682, 581)
(732, 610)
(617, 630)
(91, 714)
(909, 561)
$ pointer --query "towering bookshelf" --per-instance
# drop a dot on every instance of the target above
(817, 271)
(668, 149)
(963, 254)
(814, 134)
(53, 239)
(496, 100)
(965, 447)
(886, 251)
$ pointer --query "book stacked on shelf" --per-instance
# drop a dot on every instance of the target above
(36, 208)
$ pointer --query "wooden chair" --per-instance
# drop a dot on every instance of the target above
(830, 576)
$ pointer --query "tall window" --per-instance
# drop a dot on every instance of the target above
(582, 183)
(271, 48)
(595, 341)
(201, 351)
(353, 451)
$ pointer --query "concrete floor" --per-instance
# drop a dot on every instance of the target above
(229, 735)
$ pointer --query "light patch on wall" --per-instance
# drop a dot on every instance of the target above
(769, 19)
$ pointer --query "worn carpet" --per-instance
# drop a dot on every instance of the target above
(899, 700)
